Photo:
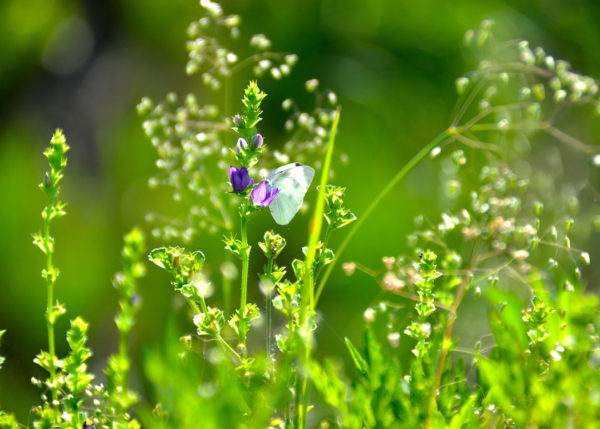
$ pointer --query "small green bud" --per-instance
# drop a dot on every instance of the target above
(461, 84)
(597, 222)
(585, 257)
(560, 95)
(539, 91)
(569, 224)
(311, 85)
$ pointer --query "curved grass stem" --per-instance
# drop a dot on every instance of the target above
(308, 279)
(361, 219)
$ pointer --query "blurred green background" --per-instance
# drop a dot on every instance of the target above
(83, 66)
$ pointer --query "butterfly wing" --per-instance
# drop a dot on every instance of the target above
(293, 181)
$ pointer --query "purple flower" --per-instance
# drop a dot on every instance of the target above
(239, 179)
(241, 144)
(86, 426)
(237, 120)
(257, 141)
(263, 194)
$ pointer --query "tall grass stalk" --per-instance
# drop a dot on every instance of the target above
(308, 296)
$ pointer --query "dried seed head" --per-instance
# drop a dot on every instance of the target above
(392, 283)
(394, 339)
(349, 268)
(389, 262)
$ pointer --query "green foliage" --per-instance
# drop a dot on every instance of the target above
(553, 381)
(336, 214)
(77, 378)
(272, 245)
(183, 265)
(120, 397)
(245, 124)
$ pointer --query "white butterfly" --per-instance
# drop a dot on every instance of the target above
(293, 181)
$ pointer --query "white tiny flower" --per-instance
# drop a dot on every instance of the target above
(520, 255)
(369, 315)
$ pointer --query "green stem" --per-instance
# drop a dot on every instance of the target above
(297, 403)
(268, 296)
(229, 349)
(227, 290)
(308, 279)
(194, 306)
(447, 342)
(328, 231)
(245, 261)
(50, 278)
(124, 355)
(397, 178)
(203, 304)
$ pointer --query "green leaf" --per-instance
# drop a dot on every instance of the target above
(359, 361)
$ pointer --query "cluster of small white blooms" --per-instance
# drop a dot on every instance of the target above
(212, 59)
(276, 68)
(188, 139)
(517, 91)
(310, 129)
(564, 82)
(506, 216)
(504, 219)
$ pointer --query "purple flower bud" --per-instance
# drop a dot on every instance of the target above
(263, 194)
(237, 120)
(135, 300)
(239, 179)
(257, 141)
(241, 144)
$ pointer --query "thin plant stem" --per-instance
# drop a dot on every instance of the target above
(124, 355)
(268, 295)
(226, 282)
(245, 260)
(245, 263)
(408, 167)
(447, 342)
(50, 279)
(308, 279)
